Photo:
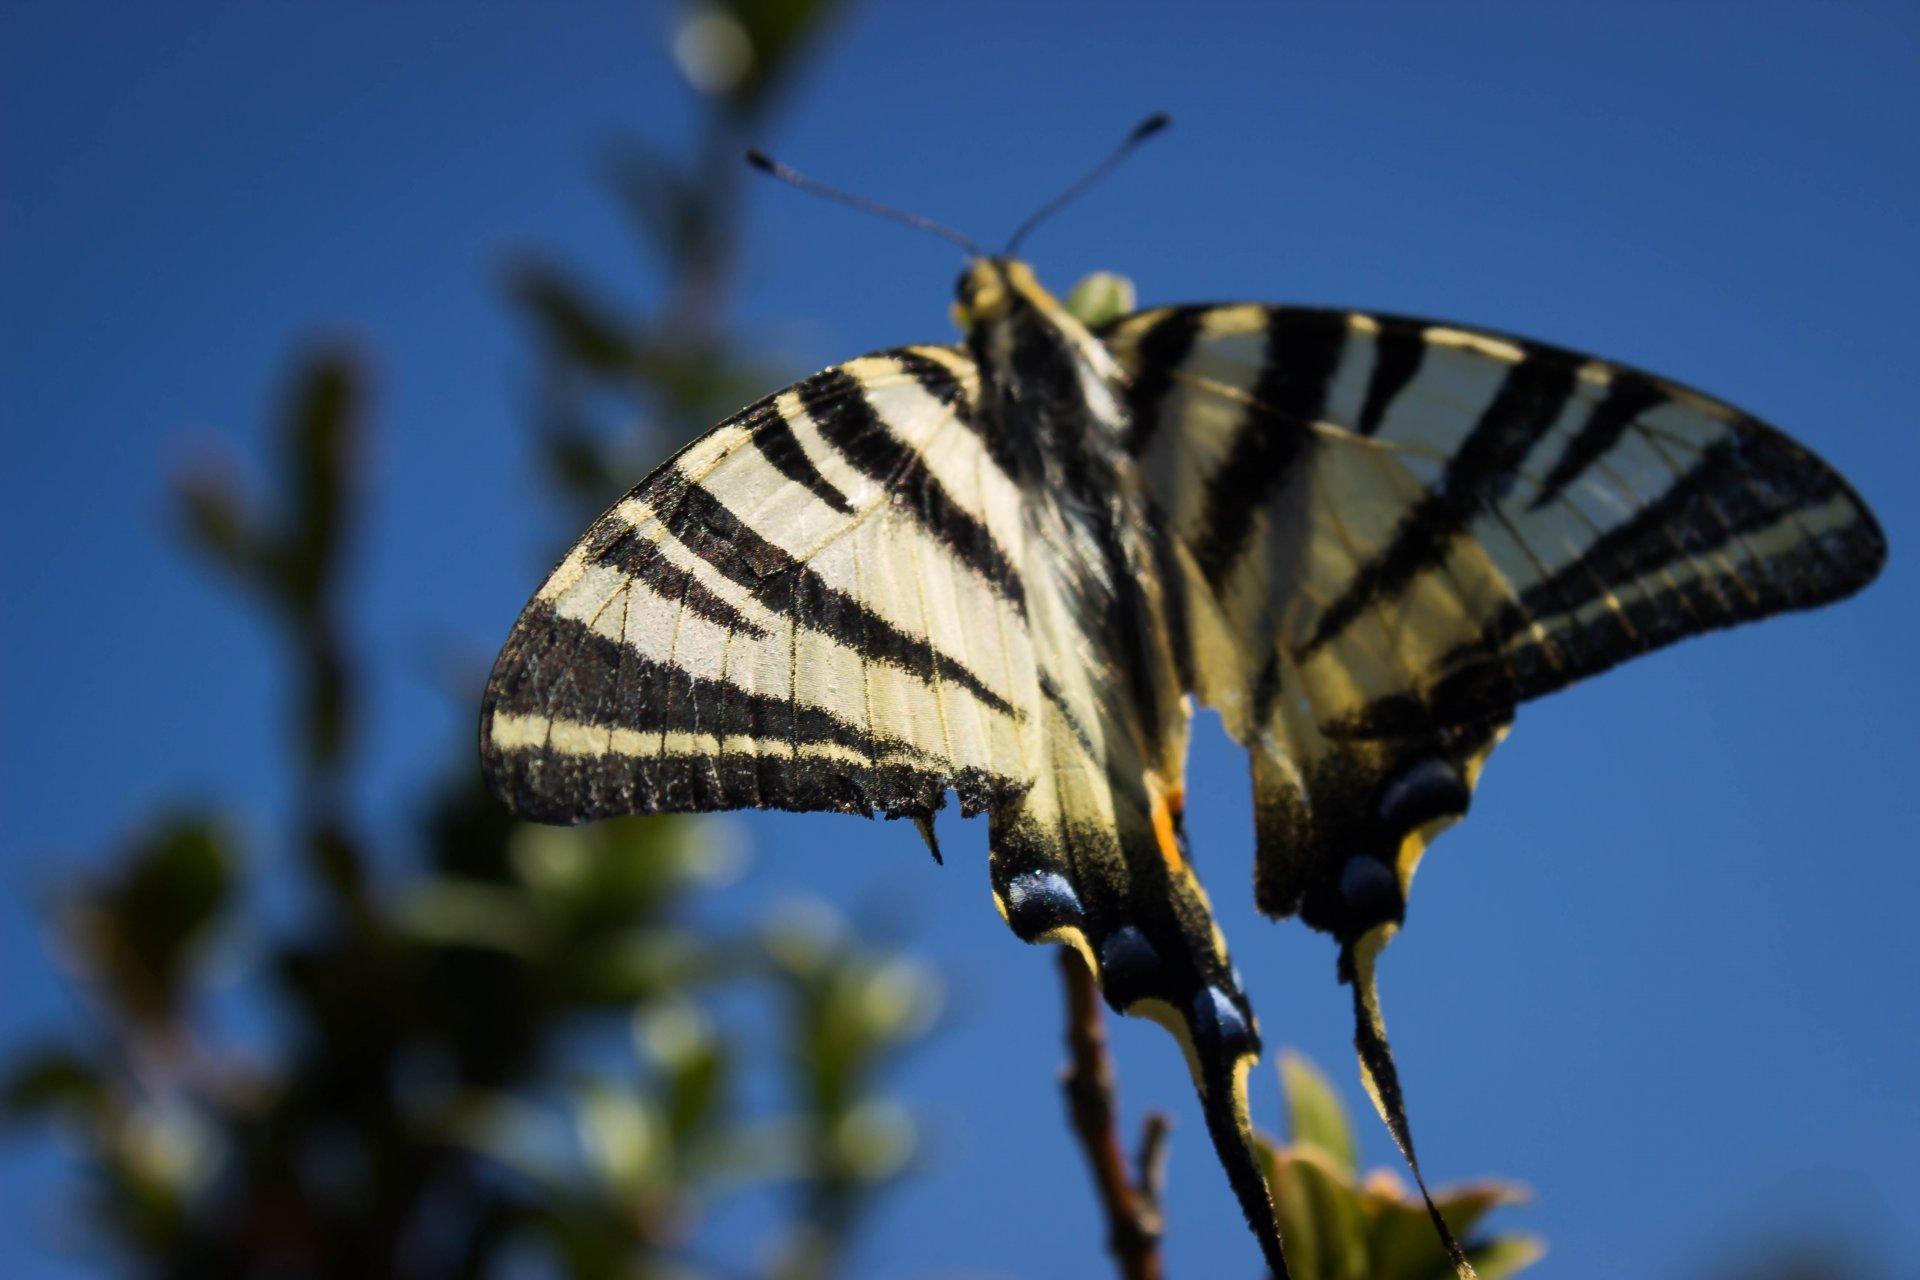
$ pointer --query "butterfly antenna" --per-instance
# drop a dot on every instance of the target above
(1141, 132)
(793, 177)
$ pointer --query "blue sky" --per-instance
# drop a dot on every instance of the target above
(1666, 973)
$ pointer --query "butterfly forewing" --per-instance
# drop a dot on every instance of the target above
(810, 607)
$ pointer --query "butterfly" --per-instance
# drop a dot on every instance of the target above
(1009, 569)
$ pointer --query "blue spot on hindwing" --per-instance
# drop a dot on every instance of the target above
(1130, 968)
(1221, 1026)
(1370, 893)
(1039, 902)
(1427, 789)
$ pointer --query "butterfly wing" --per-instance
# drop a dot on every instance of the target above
(1388, 532)
(1392, 531)
(811, 607)
(841, 600)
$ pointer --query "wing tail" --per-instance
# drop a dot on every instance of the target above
(1382, 1078)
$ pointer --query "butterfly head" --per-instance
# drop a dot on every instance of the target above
(991, 290)
(1002, 308)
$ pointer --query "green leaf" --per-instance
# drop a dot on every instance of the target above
(570, 320)
(739, 51)
(143, 929)
(318, 439)
(469, 913)
(216, 525)
(1322, 1219)
(1315, 1117)
(51, 1080)
(1403, 1243)
(1506, 1255)
(621, 1135)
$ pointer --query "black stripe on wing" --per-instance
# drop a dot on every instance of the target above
(786, 586)
(849, 423)
(1400, 349)
(777, 443)
(1678, 566)
(1162, 350)
(560, 671)
(1302, 352)
(619, 545)
(1630, 396)
(1531, 398)
(937, 379)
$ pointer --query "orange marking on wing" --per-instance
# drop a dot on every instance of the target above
(1167, 807)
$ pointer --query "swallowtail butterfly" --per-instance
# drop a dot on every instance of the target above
(1008, 569)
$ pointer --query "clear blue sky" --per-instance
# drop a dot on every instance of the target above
(1666, 974)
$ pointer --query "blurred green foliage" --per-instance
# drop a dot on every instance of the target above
(514, 1049)
(1339, 1226)
(515, 1052)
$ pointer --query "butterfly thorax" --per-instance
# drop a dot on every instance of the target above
(1053, 398)
(1049, 388)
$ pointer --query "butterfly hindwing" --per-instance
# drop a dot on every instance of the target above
(1392, 531)
(1389, 532)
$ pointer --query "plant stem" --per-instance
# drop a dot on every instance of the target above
(1132, 1207)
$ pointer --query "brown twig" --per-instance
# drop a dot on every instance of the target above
(1131, 1200)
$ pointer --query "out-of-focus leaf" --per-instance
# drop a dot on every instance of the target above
(1314, 1115)
(1505, 1256)
(415, 1112)
(1320, 1217)
(325, 713)
(51, 1080)
(898, 1000)
(141, 930)
(625, 1140)
(470, 913)
(874, 1140)
(674, 215)
(577, 461)
(739, 50)
(319, 430)
(571, 320)
(167, 1146)
(640, 965)
(1338, 1228)
(621, 870)
(1403, 1245)
(467, 831)
(214, 524)
(1100, 297)
(1402, 1242)
(337, 859)
(678, 1037)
